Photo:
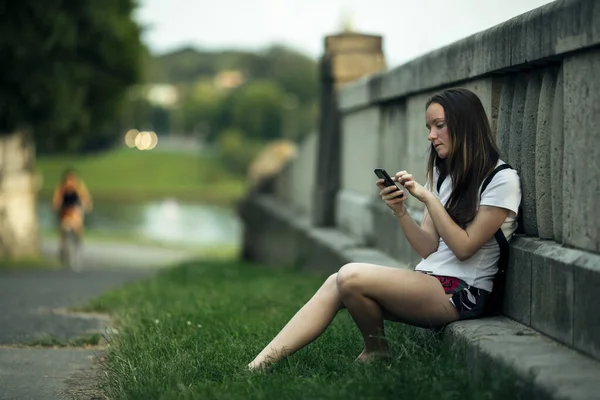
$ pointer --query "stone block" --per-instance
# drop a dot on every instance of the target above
(385, 228)
(556, 158)
(388, 235)
(542, 154)
(516, 121)
(528, 144)
(581, 174)
(552, 292)
(321, 250)
(586, 324)
(504, 115)
(354, 214)
(303, 175)
(545, 369)
(393, 137)
(517, 301)
(360, 151)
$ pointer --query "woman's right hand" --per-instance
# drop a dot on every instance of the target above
(393, 197)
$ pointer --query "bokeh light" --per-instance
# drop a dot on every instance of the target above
(146, 140)
(130, 137)
(143, 140)
(153, 140)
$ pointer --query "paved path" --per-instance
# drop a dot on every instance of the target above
(34, 303)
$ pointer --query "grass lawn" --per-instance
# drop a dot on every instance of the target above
(29, 263)
(129, 174)
(222, 251)
(188, 333)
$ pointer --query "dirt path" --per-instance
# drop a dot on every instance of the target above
(33, 306)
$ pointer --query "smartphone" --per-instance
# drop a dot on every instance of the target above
(387, 180)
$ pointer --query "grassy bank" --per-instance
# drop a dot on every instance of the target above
(29, 264)
(189, 332)
(91, 237)
(133, 175)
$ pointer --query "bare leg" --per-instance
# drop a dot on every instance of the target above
(370, 291)
(61, 244)
(304, 327)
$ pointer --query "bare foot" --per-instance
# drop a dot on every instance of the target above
(369, 357)
(257, 367)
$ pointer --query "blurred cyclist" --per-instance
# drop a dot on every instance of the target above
(71, 200)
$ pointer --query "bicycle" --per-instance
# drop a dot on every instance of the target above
(71, 251)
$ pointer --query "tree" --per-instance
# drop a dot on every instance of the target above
(66, 67)
(198, 108)
(256, 108)
(294, 72)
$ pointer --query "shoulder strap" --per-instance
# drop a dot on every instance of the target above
(489, 178)
(439, 182)
(486, 182)
(499, 235)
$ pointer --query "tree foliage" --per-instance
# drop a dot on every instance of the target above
(65, 67)
(279, 95)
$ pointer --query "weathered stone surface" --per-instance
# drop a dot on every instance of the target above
(549, 31)
(528, 158)
(556, 158)
(581, 185)
(18, 196)
(517, 302)
(347, 57)
(516, 122)
(552, 292)
(504, 116)
(586, 305)
(543, 162)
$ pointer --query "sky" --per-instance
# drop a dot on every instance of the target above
(409, 27)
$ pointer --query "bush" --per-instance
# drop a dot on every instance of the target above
(236, 151)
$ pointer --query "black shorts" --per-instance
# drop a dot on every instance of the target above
(468, 300)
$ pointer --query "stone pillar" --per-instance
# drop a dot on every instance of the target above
(18, 194)
(348, 57)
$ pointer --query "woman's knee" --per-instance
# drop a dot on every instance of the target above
(330, 283)
(349, 277)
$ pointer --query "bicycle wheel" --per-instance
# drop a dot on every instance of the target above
(71, 257)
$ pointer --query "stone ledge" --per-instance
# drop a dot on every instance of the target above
(546, 32)
(499, 343)
(553, 288)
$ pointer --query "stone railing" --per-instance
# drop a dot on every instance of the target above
(538, 78)
(18, 194)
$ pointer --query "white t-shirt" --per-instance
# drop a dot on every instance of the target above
(503, 191)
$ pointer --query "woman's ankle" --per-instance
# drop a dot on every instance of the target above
(372, 356)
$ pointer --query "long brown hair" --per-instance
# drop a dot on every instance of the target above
(473, 153)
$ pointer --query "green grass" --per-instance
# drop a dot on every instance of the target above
(28, 263)
(133, 175)
(92, 339)
(188, 333)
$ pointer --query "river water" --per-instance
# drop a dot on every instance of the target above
(166, 221)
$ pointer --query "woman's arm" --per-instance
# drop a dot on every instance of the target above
(466, 242)
(463, 242)
(86, 198)
(56, 197)
(423, 239)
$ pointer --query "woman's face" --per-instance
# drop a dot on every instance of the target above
(435, 121)
(70, 179)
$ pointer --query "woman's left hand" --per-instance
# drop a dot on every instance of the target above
(414, 188)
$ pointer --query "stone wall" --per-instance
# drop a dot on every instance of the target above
(18, 189)
(537, 76)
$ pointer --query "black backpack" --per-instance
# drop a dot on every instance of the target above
(493, 305)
